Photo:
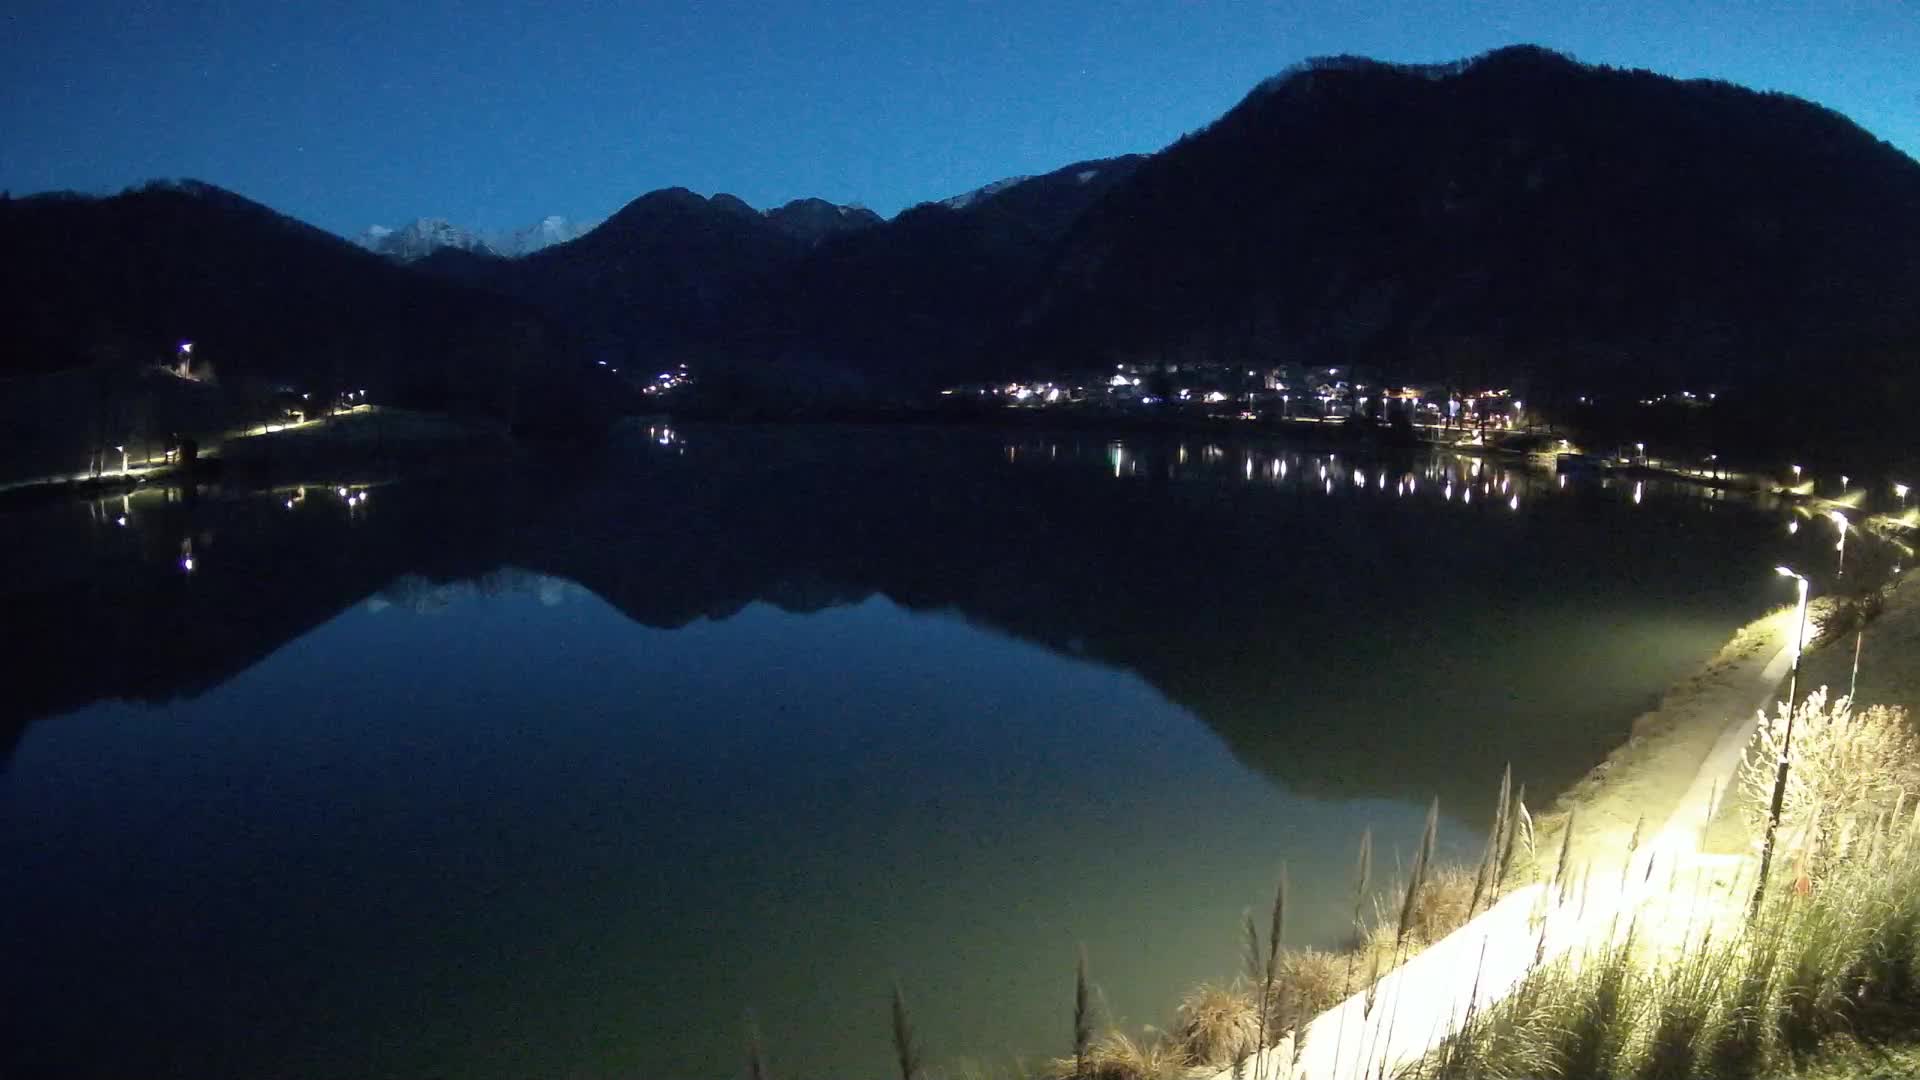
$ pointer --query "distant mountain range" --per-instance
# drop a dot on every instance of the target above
(807, 220)
(424, 236)
(1518, 218)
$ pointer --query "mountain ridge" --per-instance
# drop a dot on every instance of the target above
(1516, 216)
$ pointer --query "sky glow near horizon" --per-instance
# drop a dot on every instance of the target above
(495, 115)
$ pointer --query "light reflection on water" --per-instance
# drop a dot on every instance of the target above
(1281, 468)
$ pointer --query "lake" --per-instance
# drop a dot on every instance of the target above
(564, 767)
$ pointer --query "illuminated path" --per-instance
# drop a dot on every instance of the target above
(1416, 1006)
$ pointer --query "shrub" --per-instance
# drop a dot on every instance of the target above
(1845, 771)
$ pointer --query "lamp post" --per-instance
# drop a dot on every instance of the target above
(1900, 492)
(1786, 742)
(1859, 639)
(123, 459)
(1840, 522)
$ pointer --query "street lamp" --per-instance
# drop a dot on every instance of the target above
(1900, 492)
(1796, 474)
(1786, 741)
(123, 459)
(1840, 522)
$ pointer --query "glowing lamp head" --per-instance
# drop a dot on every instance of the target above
(1785, 572)
(1839, 520)
(1899, 491)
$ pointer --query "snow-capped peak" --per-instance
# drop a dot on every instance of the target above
(552, 229)
(418, 240)
(961, 202)
(427, 235)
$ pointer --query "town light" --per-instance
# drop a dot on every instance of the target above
(1840, 522)
(1900, 492)
(1786, 741)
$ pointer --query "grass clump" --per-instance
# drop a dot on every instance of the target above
(1440, 904)
(1314, 980)
(1117, 1056)
(1217, 1025)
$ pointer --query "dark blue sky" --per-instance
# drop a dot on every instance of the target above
(496, 114)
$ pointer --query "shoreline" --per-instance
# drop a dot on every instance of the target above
(1679, 765)
(1679, 756)
(376, 436)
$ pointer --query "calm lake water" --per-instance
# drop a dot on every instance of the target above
(561, 769)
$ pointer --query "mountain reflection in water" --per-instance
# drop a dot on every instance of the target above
(1399, 627)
